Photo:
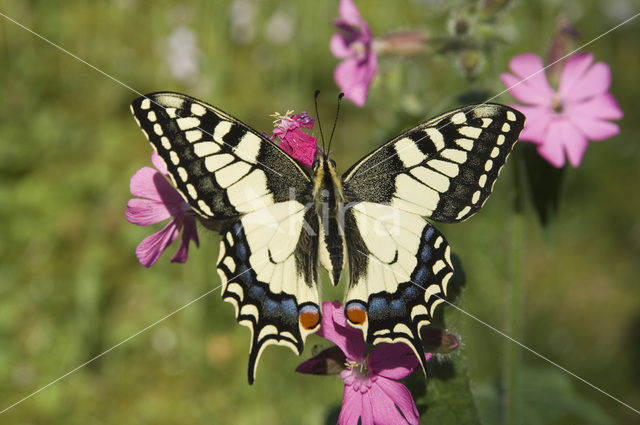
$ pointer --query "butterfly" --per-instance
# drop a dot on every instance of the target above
(281, 221)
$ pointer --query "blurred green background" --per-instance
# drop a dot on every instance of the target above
(71, 287)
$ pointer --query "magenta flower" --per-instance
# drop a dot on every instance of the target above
(156, 201)
(354, 45)
(563, 121)
(298, 144)
(372, 392)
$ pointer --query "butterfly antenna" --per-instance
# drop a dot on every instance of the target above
(315, 99)
(335, 121)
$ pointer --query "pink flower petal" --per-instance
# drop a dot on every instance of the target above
(189, 233)
(401, 397)
(385, 411)
(574, 67)
(603, 107)
(351, 407)
(594, 129)
(142, 184)
(552, 147)
(149, 250)
(354, 77)
(595, 81)
(537, 124)
(575, 143)
(367, 409)
(335, 328)
(528, 83)
(339, 47)
(394, 361)
(159, 163)
(145, 212)
(349, 12)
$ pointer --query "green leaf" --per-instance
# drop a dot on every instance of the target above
(545, 396)
(447, 397)
(544, 182)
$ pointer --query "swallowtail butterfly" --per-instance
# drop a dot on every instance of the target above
(279, 221)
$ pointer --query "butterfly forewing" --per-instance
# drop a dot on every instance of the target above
(443, 169)
(257, 195)
(222, 167)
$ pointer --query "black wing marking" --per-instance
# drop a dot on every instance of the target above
(444, 168)
(222, 167)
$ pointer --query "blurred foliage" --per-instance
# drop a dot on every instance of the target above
(71, 287)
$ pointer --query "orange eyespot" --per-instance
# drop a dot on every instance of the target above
(309, 317)
(356, 313)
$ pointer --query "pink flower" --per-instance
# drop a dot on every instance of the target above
(563, 121)
(298, 144)
(156, 201)
(372, 392)
(353, 44)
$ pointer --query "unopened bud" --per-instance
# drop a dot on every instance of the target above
(402, 43)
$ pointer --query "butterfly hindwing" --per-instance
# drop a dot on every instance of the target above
(268, 269)
(444, 168)
(222, 167)
(400, 266)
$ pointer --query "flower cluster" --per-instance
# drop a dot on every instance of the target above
(290, 137)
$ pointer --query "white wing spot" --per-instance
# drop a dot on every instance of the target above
(464, 212)
(221, 130)
(476, 197)
(511, 116)
(408, 152)
(483, 180)
(438, 241)
(455, 155)
(459, 118)
(431, 178)
(506, 127)
(151, 116)
(439, 265)
(183, 174)
(248, 148)
(230, 240)
(215, 162)
(165, 142)
(495, 152)
(445, 281)
(447, 168)
(228, 261)
(436, 137)
(146, 104)
(488, 165)
(174, 158)
(171, 112)
(206, 148)
(205, 209)
(466, 144)
(157, 129)
(198, 110)
(192, 191)
(500, 140)
(187, 123)
(231, 174)
(486, 122)
(473, 132)
(193, 135)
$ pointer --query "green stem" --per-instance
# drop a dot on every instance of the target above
(516, 303)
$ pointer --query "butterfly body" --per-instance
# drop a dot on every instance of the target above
(282, 222)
